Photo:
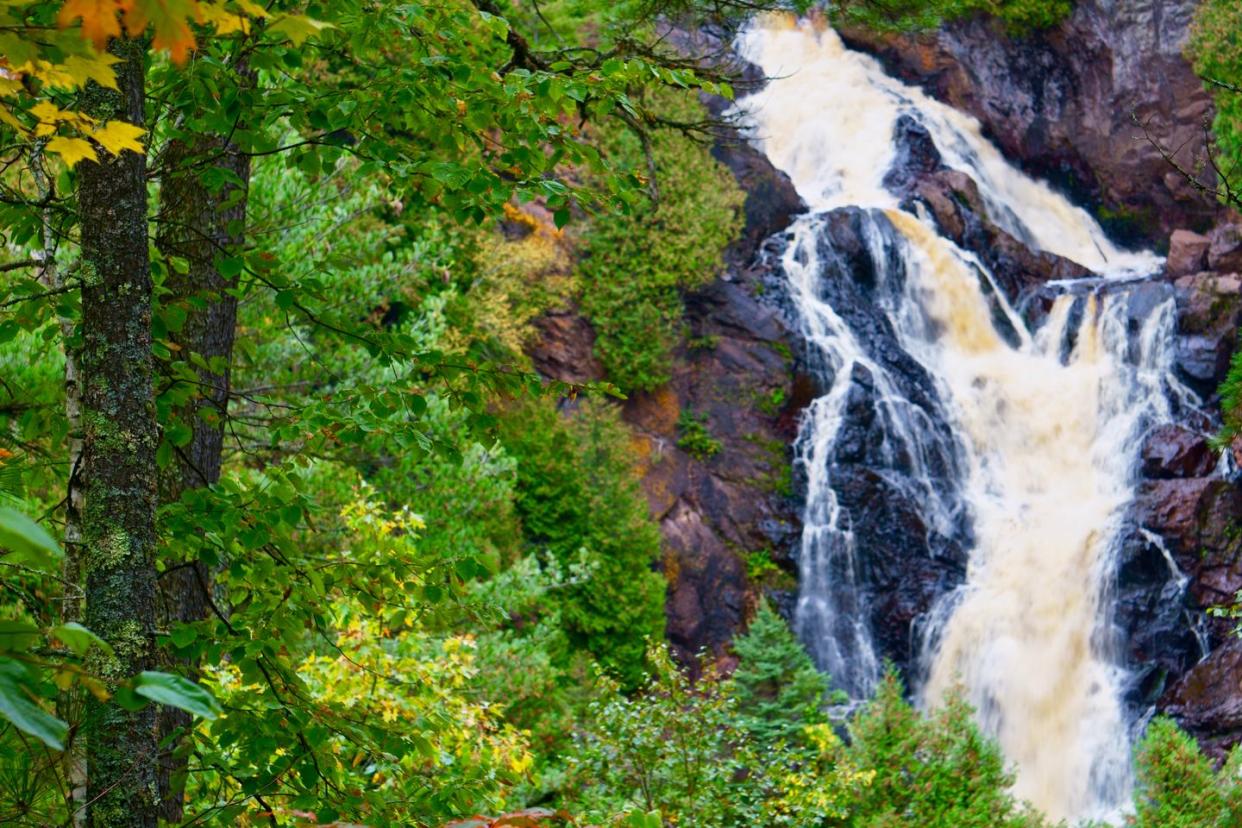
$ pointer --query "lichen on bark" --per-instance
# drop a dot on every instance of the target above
(118, 453)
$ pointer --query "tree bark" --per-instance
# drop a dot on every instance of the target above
(202, 227)
(118, 452)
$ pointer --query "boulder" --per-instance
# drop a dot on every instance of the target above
(1188, 253)
(1225, 251)
(1171, 451)
(1197, 518)
(1209, 309)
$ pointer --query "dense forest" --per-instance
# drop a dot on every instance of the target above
(295, 530)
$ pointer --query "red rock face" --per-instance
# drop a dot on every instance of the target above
(1063, 103)
(1208, 700)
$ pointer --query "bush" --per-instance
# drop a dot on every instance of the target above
(675, 748)
(694, 437)
(1177, 787)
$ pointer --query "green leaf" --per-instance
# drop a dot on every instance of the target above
(176, 691)
(20, 710)
(17, 635)
(79, 639)
(27, 541)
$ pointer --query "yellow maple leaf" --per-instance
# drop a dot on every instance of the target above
(298, 27)
(224, 21)
(99, 21)
(72, 150)
(48, 112)
(115, 136)
(97, 67)
(6, 117)
(251, 8)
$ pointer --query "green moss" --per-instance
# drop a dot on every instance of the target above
(694, 438)
(772, 402)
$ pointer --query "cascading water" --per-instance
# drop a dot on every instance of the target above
(1018, 448)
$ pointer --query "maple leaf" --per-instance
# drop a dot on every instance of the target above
(72, 150)
(115, 136)
(99, 20)
(97, 67)
(171, 21)
(6, 117)
(224, 21)
(298, 27)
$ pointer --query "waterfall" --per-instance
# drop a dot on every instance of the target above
(1009, 447)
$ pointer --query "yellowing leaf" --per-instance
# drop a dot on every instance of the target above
(99, 21)
(97, 68)
(224, 21)
(251, 8)
(115, 136)
(6, 117)
(48, 112)
(298, 27)
(72, 150)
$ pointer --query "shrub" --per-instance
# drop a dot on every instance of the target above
(934, 771)
(674, 747)
(1177, 786)
(694, 438)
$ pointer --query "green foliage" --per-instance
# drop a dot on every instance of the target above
(1178, 786)
(1019, 16)
(635, 265)
(694, 438)
(580, 504)
(937, 770)
(675, 748)
(1217, 55)
(778, 689)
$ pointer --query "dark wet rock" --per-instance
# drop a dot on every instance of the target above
(953, 200)
(1198, 520)
(1156, 627)
(1225, 251)
(916, 156)
(1188, 253)
(1176, 451)
(1209, 310)
(771, 200)
(1063, 102)
(904, 565)
(1207, 701)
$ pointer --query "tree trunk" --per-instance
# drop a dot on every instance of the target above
(196, 225)
(202, 227)
(118, 452)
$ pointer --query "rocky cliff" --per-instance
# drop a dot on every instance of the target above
(1071, 103)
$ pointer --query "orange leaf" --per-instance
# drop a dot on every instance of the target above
(171, 21)
(99, 21)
